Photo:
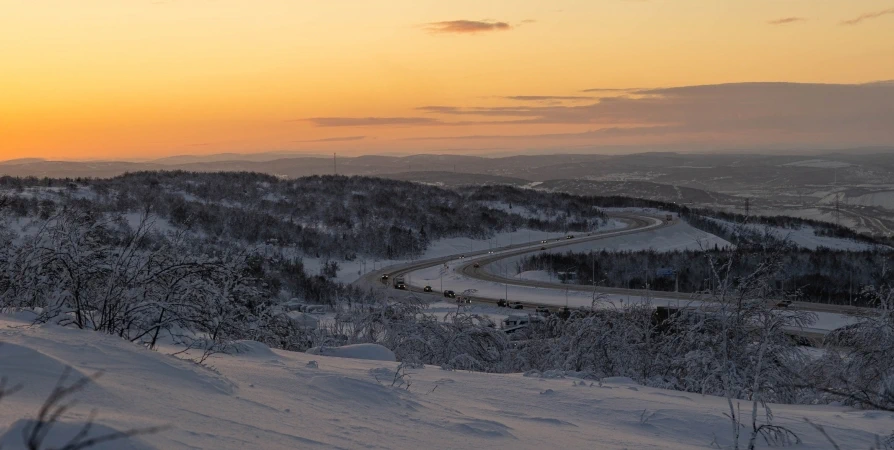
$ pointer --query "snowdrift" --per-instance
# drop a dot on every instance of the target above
(372, 352)
(250, 399)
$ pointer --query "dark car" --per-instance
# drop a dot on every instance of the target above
(784, 303)
(449, 294)
(385, 278)
(476, 265)
(426, 289)
(464, 299)
(502, 303)
(570, 236)
(516, 305)
(542, 248)
(542, 310)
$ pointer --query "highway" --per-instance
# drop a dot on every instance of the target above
(635, 223)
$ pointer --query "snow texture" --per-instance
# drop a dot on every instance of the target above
(311, 401)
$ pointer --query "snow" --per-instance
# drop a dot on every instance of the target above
(556, 297)
(287, 400)
(63, 433)
(350, 271)
(535, 275)
(303, 320)
(373, 352)
(819, 164)
(158, 224)
(679, 236)
(805, 237)
(884, 199)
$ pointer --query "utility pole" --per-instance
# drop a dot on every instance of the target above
(334, 165)
(747, 207)
(837, 209)
(506, 284)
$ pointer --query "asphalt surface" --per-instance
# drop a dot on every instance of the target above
(635, 224)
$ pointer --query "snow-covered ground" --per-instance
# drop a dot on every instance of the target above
(884, 199)
(350, 271)
(275, 399)
(457, 282)
(679, 236)
(535, 275)
(820, 164)
(806, 238)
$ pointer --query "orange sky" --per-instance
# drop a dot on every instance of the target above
(145, 79)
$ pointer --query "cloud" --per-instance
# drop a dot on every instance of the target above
(504, 111)
(467, 26)
(872, 15)
(369, 121)
(739, 112)
(610, 131)
(546, 98)
(610, 90)
(335, 139)
(786, 20)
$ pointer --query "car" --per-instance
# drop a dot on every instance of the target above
(570, 236)
(426, 289)
(476, 265)
(502, 303)
(784, 303)
(463, 299)
(490, 252)
(542, 248)
(385, 278)
(462, 256)
(449, 294)
(543, 241)
(543, 310)
(516, 305)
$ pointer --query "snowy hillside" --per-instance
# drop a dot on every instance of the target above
(276, 399)
(804, 237)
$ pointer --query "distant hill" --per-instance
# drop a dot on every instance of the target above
(451, 179)
(21, 161)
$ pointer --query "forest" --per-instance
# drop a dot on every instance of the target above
(821, 275)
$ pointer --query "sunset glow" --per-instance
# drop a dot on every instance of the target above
(147, 79)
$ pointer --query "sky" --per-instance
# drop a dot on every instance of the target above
(143, 79)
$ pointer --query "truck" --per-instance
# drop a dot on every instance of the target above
(399, 283)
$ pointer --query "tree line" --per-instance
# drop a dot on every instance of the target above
(821, 275)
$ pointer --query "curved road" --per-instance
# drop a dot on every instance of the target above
(636, 223)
